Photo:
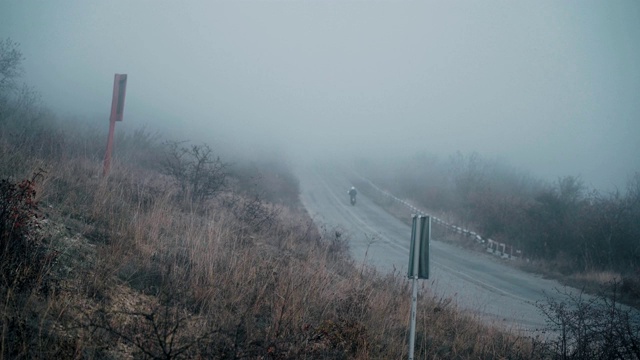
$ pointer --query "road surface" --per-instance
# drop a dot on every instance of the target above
(476, 282)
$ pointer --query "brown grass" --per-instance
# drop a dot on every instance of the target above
(143, 274)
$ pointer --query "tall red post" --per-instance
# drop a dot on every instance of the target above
(117, 110)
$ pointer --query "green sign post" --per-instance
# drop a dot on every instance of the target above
(419, 249)
(418, 267)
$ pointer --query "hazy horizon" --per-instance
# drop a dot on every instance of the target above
(550, 87)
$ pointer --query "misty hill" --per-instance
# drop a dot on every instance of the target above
(179, 253)
(131, 265)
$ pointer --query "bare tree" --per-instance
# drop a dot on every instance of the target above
(17, 100)
(10, 70)
(10, 64)
(199, 173)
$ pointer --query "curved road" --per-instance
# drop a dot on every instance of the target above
(476, 282)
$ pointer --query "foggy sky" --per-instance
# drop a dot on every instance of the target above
(552, 87)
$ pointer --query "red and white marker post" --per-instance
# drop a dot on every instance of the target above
(117, 110)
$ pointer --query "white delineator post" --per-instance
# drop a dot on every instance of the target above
(414, 288)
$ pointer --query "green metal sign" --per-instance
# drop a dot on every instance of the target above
(419, 249)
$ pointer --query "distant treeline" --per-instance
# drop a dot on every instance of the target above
(565, 223)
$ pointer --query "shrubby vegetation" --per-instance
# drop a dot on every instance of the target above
(564, 226)
(592, 327)
(197, 171)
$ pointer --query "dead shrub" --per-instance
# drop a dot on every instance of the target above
(24, 258)
(197, 171)
(589, 327)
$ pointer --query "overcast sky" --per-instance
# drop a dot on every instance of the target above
(553, 87)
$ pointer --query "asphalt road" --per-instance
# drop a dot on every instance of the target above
(476, 282)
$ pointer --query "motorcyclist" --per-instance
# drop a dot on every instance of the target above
(352, 193)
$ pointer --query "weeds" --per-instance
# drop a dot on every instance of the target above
(592, 327)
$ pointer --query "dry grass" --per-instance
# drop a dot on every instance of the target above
(598, 278)
(141, 273)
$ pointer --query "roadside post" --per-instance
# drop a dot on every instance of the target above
(418, 267)
(117, 110)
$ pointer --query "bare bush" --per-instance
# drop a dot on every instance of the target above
(592, 327)
(271, 179)
(252, 211)
(197, 171)
(161, 328)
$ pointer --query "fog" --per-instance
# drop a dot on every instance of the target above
(549, 86)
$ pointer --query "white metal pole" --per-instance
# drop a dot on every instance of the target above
(414, 287)
(414, 305)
